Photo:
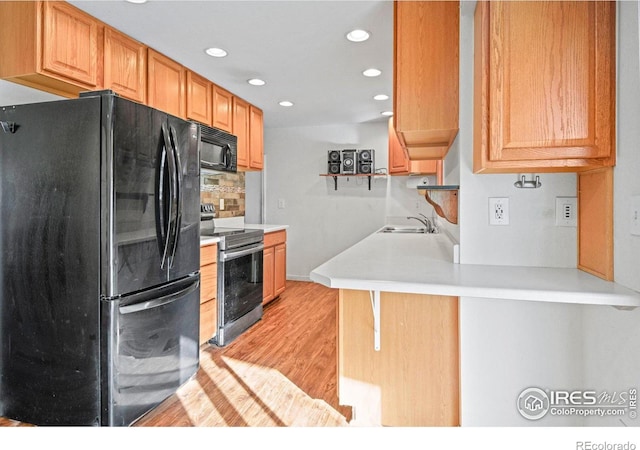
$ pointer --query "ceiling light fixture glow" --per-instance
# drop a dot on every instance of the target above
(381, 97)
(371, 72)
(216, 52)
(387, 113)
(358, 35)
(256, 82)
(285, 103)
(138, 2)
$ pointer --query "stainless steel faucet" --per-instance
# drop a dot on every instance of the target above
(424, 221)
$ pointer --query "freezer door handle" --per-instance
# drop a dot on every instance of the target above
(177, 182)
(157, 297)
(168, 221)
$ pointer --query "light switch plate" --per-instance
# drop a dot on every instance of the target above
(635, 215)
(566, 211)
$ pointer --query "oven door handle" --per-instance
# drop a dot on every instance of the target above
(229, 255)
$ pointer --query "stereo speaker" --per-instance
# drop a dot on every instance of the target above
(365, 162)
(334, 156)
(334, 168)
(348, 161)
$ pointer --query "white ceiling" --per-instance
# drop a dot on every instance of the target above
(297, 47)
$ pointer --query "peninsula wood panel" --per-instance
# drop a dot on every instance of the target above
(544, 86)
(274, 265)
(595, 222)
(414, 379)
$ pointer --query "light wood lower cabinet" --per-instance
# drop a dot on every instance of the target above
(208, 290)
(413, 380)
(274, 265)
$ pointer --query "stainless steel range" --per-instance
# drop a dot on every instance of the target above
(240, 252)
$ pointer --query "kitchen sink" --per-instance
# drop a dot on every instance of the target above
(401, 229)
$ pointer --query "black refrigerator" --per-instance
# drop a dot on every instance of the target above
(99, 259)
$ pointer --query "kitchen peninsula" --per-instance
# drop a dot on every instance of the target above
(398, 350)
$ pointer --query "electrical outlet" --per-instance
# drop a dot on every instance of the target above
(281, 203)
(221, 204)
(635, 215)
(566, 211)
(498, 211)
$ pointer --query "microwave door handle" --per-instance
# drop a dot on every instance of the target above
(178, 197)
(228, 157)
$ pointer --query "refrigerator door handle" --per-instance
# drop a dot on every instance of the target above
(169, 221)
(138, 302)
(178, 197)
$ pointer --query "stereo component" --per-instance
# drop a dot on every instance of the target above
(335, 163)
(348, 161)
(365, 162)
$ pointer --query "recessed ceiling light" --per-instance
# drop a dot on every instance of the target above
(217, 52)
(256, 82)
(358, 35)
(381, 97)
(371, 73)
(285, 103)
(387, 113)
(137, 1)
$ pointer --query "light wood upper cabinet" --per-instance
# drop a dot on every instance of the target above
(426, 68)
(199, 97)
(544, 86)
(241, 130)
(256, 138)
(222, 109)
(51, 46)
(400, 164)
(166, 81)
(125, 65)
(248, 127)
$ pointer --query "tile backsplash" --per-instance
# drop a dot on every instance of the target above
(224, 185)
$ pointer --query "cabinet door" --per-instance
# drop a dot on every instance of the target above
(70, 43)
(256, 138)
(222, 109)
(199, 98)
(241, 130)
(545, 85)
(166, 84)
(125, 66)
(426, 67)
(280, 269)
(399, 164)
(268, 268)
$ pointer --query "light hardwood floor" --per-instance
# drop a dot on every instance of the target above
(281, 372)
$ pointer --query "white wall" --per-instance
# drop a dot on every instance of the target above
(612, 337)
(507, 346)
(322, 221)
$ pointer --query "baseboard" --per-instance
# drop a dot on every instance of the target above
(298, 278)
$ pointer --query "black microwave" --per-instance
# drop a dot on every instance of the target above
(218, 149)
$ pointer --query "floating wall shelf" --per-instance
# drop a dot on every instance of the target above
(335, 177)
(444, 200)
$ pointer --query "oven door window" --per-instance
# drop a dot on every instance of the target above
(242, 285)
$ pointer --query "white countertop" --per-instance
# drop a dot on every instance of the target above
(267, 228)
(423, 264)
